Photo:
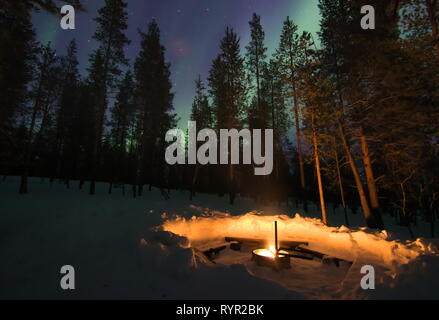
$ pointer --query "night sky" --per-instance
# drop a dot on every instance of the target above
(191, 31)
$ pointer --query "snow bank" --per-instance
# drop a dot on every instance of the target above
(376, 248)
(403, 269)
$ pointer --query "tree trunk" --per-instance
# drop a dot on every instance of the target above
(28, 152)
(370, 179)
(299, 144)
(319, 178)
(369, 217)
(298, 133)
(340, 184)
(97, 143)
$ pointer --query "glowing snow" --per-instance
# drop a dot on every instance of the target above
(375, 248)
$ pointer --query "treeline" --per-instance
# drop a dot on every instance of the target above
(354, 113)
(60, 124)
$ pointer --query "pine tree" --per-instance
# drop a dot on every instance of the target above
(341, 52)
(68, 102)
(201, 113)
(112, 21)
(227, 83)
(290, 55)
(419, 21)
(42, 97)
(122, 116)
(228, 92)
(317, 116)
(154, 100)
(273, 94)
(80, 133)
(255, 62)
(17, 54)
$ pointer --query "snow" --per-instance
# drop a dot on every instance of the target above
(390, 257)
(126, 248)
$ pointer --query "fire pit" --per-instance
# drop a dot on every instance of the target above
(273, 257)
(267, 258)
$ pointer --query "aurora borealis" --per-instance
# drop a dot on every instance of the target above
(191, 31)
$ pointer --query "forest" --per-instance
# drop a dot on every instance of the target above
(355, 113)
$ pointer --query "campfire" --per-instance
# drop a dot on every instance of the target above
(272, 257)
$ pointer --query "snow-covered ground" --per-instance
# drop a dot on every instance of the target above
(123, 247)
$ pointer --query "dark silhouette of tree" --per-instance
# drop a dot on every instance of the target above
(68, 102)
(42, 97)
(290, 57)
(255, 62)
(112, 21)
(201, 113)
(228, 91)
(154, 101)
(122, 116)
(17, 54)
